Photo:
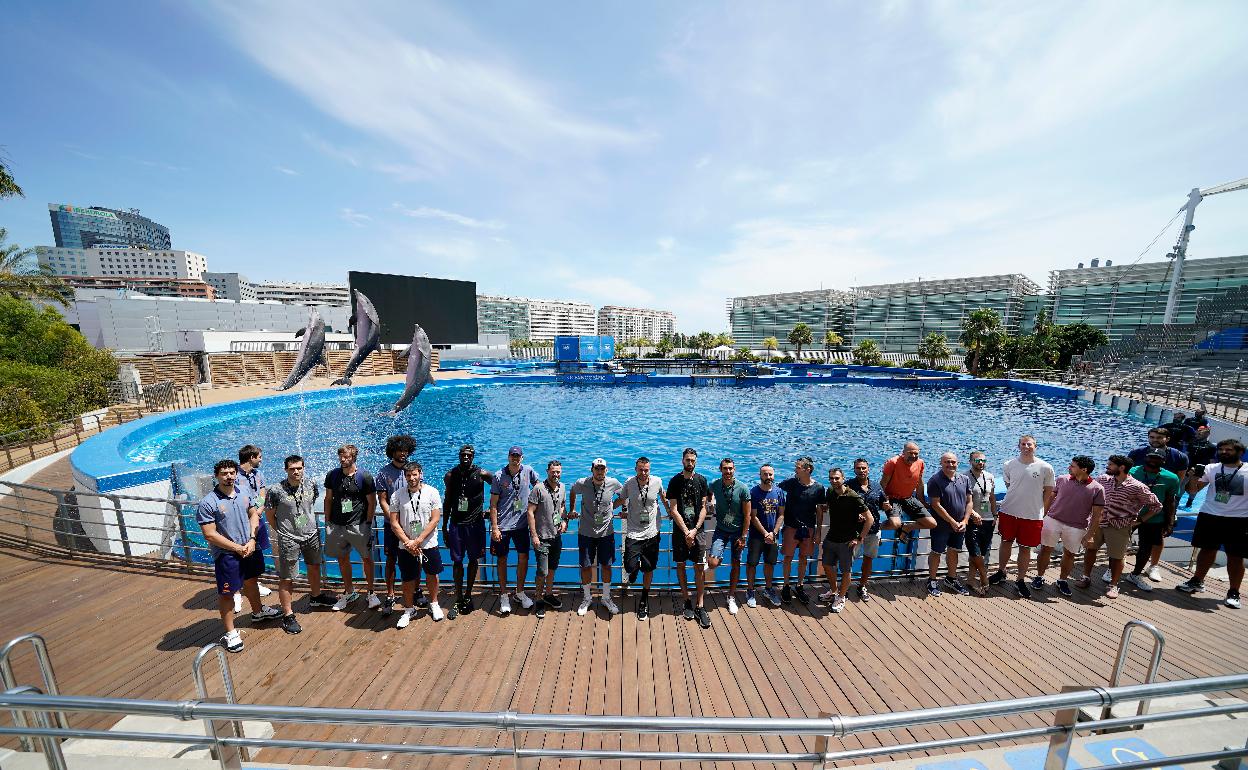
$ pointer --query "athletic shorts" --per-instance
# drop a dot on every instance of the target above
(870, 547)
(1229, 533)
(838, 555)
(390, 544)
(1054, 532)
(596, 551)
(548, 555)
(1115, 541)
(411, 565)
(466, 540)
(725, 541)
(798, 534)
(900, 504)
(979, 539)
(233, 570)
(341, 539)
(518, 537)
(289, 552)
(641, 555)
(944, 538)
(1026, 532)
(683, 552)
(757, 548)
(1151, 532)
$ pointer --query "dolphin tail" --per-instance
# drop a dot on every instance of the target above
(341, 381)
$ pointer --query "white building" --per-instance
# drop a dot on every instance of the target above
(533, 319)
(136, 263)
(233, 286)
(630, 323)
(300, 293)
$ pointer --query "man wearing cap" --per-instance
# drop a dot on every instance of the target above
(508, 496)
(643, 494)
(546, 515)
(1159, 438)
(595, 536)
(1155, 526)
(464, 524)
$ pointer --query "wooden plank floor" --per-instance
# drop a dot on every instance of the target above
(133, 632)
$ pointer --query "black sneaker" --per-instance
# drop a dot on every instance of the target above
(1191, 586)
(541, 610)
(863, 594)
(689, 610)
(1232, 600)
(290, 625)
(387, 605)
(643, 611)
(467, 606)
(800, 593)
(323, 599)
(1063, 588)
(553, 602)
(1037, 583)
(453, 612)
(958, 586)
(422, 601)
(933, 588)
(1020, 586)
(786, 594)
(996, 578)
(704, 619)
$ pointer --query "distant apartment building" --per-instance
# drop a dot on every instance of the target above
(150, 287)
(231, 286)
(89, 227)
(629, 323)
(755, 318)
(296, 293)
(522, 318)
(131, 262)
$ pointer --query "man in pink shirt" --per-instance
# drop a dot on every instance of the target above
(1075, 509)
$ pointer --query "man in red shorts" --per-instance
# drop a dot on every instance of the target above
(1030, 484)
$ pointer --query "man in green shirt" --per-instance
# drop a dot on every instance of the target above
(1154, 529)
(732, 509)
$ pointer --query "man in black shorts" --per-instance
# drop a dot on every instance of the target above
(463, 526)
(687, 496)
(803, 507)
(388, 480)
(1222, 523)
(642, 494)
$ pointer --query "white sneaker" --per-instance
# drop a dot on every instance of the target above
(406, 617)
(1139, 582)
(524, 600)
(238, 603)
(345, 600)
(1154, 574)
(504, 605)
(584, 607)
(827, 596)
(1107, 575)
(435, 611)
(374, 601)
(264, 590)
(610, 605)
(732, 605)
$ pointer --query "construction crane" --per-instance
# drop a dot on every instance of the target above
(1180, 250)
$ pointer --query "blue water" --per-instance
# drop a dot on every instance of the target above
(833, 424)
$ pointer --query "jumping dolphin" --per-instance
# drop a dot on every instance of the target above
(419, 357)
(367, 327)
(311, 351)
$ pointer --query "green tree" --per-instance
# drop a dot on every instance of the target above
(21, 279)
(934, 347)
(867, 353)
(703, 341)
(8, 187)
(665, 346)
(981, 334)
(642, 342)
(831, 340)
(770, 344)
(1075, 340)
(724, 338)
(743, 354)
(801, 335)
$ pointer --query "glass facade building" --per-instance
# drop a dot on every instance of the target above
(79, 227)
(754, 319)
(503, 315)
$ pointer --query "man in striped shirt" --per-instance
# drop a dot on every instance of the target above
(1125, 496)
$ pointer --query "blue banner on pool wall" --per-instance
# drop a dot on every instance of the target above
(586, 378)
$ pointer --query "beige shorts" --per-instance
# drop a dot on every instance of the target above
(1114, 540)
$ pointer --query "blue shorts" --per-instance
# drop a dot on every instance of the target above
(520, 537)
(262, 534)
(943, 537)
(410, 565)
(596, 551)
(233, 570)
(725, 541)
(390, 544)
(799, 533)
(466, 540)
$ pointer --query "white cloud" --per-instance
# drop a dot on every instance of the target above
(426, 212)
(286, 170)
(666, 244)
(354, 217)
(332, 150)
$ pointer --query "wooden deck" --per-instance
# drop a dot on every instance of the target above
(133, 632)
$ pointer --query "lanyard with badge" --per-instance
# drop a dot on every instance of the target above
(1222, 485)
(348, 505)
(643, 514)
(515, 490)
(981, 483)
(301, 516)
(600, 518)
(463, 490)
(415, 525)
(556, 501)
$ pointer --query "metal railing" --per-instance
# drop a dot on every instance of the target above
(822, 731)
(45, 671)
(227, 681)
(1220, 391)
(1120, 662)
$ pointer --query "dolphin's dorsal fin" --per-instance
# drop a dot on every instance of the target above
(299, 333)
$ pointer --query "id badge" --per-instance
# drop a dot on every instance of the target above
(348, 505)
(1222, 497)
(301, 521)
(600, 518)
(515, 505)
(643, 518)
(414, 529)
(983, 506)
(463, 505)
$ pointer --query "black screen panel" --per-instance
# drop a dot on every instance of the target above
(446, 309)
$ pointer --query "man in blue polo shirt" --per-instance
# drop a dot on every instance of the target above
(229, 518)
(509, 496)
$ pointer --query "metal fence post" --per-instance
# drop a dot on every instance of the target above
(121, 526)
(1059, 745)
(186, 545)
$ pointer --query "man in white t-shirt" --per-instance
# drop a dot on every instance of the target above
(1223, 520)
(642, 494)
(416, 513)
(1029, 484)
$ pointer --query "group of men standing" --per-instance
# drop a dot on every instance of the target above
(712, 522)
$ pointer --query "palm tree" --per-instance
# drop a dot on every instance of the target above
(831, 340)
(704, 341)
(665, 346)
(801, 335)
(981, 331)
(8, 187)
(21, 280)
(934, 347)
(867, 353)
(642, 342)
(770, 343)
(724, 338)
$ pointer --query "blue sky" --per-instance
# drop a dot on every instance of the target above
(660, 154)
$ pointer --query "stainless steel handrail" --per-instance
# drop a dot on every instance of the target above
(45, 670)
(1120, 662)
(227, 680)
